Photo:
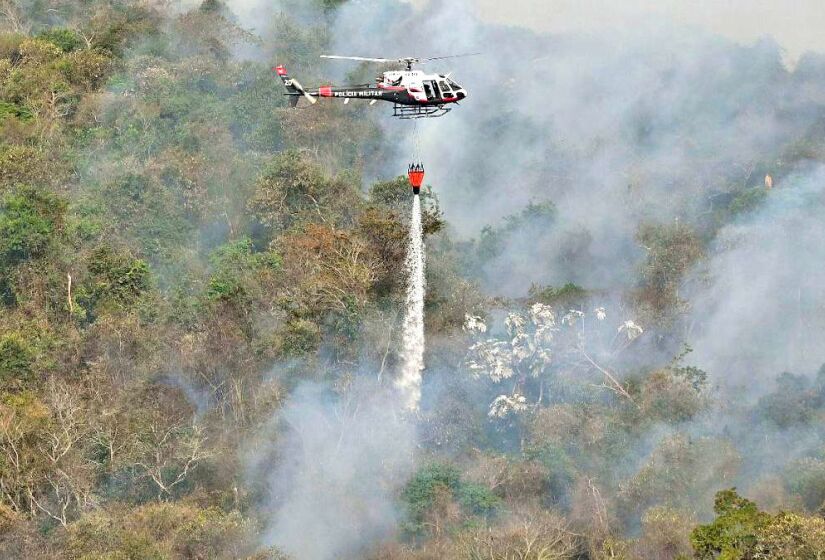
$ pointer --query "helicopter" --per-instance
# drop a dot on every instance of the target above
(414, 94)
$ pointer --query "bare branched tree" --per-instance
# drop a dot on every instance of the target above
(170, 453)
(10, 12)
(527, 535)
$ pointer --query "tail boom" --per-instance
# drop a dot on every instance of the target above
(294, 89)
(397, 95)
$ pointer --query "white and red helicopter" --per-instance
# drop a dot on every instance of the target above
(414, 94)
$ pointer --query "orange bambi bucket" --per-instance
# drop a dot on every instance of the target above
(415, 173)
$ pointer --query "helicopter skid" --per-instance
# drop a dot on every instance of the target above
(419, 111)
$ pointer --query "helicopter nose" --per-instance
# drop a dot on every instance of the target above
(461, 94)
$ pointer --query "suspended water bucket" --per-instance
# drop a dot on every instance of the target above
(415, 173)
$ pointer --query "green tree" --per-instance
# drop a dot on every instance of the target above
(742, 532)
(733, 534)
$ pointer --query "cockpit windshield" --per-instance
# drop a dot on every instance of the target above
(454, 85)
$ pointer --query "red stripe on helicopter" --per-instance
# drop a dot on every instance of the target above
(391, 88)
(325, 91)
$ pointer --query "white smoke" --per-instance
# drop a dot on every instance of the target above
(628, 126)
(412, 353)
(645, 123)
(761, 312)
(343, 458)
(340, 462)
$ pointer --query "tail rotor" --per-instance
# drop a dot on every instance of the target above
(294, 89)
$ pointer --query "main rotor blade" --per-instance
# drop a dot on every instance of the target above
(361, 58)
(409, 61)
(450, 56)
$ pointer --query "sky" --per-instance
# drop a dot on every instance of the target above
(795, 24)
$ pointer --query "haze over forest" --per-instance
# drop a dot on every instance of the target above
(203, 291)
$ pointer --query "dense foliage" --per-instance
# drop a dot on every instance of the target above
(179, 251)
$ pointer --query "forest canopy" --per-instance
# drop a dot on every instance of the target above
(202, 295)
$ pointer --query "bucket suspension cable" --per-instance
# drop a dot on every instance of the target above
(416, 143)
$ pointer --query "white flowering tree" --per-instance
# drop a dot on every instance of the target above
(536, 344)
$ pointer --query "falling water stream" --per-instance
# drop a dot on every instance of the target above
(412, 353)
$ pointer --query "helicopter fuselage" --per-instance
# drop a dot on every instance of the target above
(404, 87)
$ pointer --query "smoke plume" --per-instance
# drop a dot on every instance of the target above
(340, 463)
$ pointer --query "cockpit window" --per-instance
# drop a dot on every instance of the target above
(444, 87)
(453, 84)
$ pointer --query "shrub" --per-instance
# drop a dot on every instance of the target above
(806, 478)
(395, 196)
(567, 296)
(670, 398)
(665, 534)
(237, 271)
(85, 68)
(794, 402)
(434, 490)
(116, 281)
(301, 337)
(791, 537)
(19, 164)
(682, 472)
(422, 490)
(534, 220)
(561, 471)
(477, 499)
(295, 190)
(16, 358)
(527, 535)
(29, 219)
(14, 110)
(66, 39)
(747, 200)
(671, 250)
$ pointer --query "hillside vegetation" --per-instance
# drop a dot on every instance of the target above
(180, 252)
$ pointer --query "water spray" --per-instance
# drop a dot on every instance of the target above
(412, 353)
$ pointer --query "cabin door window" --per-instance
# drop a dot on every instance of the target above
(431, 89)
